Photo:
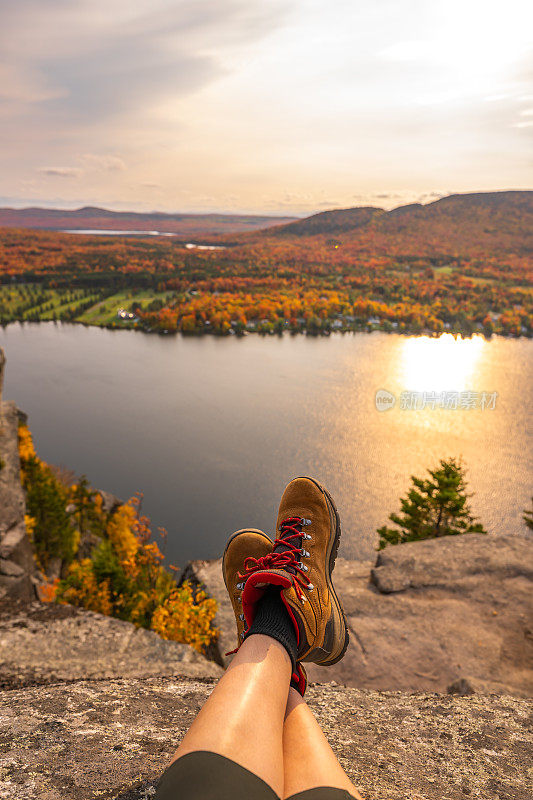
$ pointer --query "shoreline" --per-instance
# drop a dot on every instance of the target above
(352, 329)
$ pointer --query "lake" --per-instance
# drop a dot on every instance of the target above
(100, 232)
(211, 429)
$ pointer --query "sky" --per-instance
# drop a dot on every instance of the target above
(262, 106)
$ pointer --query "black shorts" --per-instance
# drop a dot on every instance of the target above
(209, 776)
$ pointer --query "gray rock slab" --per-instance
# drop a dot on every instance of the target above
(12, 503)
(43, 642)
(462, 609)
(15, 548)
(112, 739)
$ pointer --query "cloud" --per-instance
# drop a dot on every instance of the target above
(93, 60)
(90, 163)
(61, 172)
(430, 196)
(279, 103)
(107, 163)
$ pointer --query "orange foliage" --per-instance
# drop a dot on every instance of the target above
(47, 591)
(447, 264)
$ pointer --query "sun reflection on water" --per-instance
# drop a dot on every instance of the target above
(436, 365)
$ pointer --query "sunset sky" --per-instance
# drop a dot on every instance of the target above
(277, 106)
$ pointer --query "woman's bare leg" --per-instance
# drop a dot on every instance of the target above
(308, 760)
(243, 717)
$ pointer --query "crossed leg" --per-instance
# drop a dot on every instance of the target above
(253, 720)
(308, 759)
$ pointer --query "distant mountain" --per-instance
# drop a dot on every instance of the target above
(328, 222)
(92, 218)
(469, 224)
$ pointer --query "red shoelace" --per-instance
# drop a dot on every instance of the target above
(290, 528)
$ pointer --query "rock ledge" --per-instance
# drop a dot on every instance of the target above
(112, 739)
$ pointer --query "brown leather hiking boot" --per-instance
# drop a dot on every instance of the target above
(244, 544)
(301, 564)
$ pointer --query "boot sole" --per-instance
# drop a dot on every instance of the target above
(338, 611)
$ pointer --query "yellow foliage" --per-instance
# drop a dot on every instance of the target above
(137, 588)
(121, 532)
(30, 523)
(26, 448)
(186, 618)
(84, 590)
(144, 601)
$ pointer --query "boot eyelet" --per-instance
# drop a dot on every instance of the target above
(241, 616)
(243, 635)
(310, 586)
(240, 586)
(307, 536)
(306, 553)
(306, 522)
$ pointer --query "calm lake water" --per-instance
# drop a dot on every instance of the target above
(212, 429)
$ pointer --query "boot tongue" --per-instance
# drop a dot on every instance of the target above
(295, 541)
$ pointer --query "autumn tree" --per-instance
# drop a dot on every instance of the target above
(50, 526)
(125, 578)
(85, 512)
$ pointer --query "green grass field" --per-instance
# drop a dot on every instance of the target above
(30, 303)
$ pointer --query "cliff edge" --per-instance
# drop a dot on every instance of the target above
(17, 566)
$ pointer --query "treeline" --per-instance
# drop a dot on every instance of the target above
(264, 284)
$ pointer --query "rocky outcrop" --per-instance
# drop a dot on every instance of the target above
(428, 616)
(17, 567)
(112, 739)
(43, 642)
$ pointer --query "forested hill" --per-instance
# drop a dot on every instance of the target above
(91, 218)
(461, 264)
(488, 223)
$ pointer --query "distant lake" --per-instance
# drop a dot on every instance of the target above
(100, 232)
(211, 429)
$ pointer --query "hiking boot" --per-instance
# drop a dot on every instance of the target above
(248, 543)
(301, 562)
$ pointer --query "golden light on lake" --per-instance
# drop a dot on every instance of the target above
(436, 365)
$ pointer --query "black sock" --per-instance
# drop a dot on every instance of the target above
(272, 619)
